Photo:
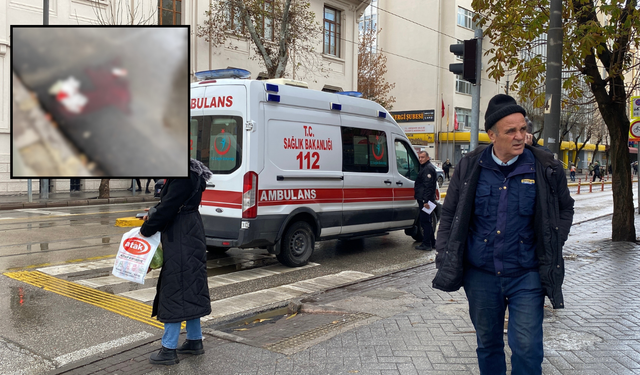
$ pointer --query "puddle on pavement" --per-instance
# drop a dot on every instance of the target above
(267, 317)
(27, 306)
(68, 245)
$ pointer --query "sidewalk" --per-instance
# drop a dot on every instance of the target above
(10, 202)
(398, 324)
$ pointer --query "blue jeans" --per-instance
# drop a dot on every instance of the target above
(489, 296)
(172, 332)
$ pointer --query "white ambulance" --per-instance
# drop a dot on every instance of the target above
(292, 166)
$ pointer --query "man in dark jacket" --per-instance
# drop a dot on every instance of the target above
(597, 173)
(445, 168)
(182, 292)
(506, 217)
(425, 192)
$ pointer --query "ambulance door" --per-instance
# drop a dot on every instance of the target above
(302, 173)
(368, 178)
(218, 138)
(406, 167)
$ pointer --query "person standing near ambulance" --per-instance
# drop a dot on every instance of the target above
(182, 292)
(424, 192)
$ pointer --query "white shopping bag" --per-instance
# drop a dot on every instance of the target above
(134, 255)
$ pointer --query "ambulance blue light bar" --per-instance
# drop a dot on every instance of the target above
(355, 94)
(272, 87)
(336, 106)
(273, 98)
(382, 114)
(222, 74)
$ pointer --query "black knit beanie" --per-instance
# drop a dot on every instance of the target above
(500, 106)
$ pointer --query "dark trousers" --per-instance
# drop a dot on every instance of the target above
(489, 296)
(428, 239)
(446, 173)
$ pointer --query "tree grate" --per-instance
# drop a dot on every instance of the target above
(312, 334)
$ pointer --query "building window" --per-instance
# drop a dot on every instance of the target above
(464, 118)
(234, 19)
(462, 86)
(169, 12)
(267, 20)
(331, 31)
(465, 18)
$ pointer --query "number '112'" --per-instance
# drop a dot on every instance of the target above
(305, 160)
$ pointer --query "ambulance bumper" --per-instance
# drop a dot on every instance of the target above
(226, 232)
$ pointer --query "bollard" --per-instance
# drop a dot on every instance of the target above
(579, 183)
(602, 186)
(590, 186)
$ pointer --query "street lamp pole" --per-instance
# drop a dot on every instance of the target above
(554, 78)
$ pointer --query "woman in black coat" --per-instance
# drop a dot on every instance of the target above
(182, 293)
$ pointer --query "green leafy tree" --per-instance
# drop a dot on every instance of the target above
(599, 40)
(279, 30)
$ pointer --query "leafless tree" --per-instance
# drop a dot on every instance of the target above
(372, 66)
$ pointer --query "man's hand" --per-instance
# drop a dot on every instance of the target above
(528, 139)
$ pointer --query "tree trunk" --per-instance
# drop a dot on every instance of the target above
(103, 190)
(623, 226)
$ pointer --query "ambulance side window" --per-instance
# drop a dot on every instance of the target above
(217, 142)
(364, 150)
(408, 164)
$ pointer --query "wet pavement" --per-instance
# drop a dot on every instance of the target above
(397, 324)
(392, 323)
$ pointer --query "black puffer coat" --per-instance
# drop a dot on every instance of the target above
(552, 222)
(182, 292)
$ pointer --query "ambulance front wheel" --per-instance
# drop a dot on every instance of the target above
(296, 245)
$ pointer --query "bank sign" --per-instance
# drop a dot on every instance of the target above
(414, 116)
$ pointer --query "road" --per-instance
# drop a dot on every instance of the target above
(74, 309)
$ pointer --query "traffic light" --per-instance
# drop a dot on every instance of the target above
(467, 69)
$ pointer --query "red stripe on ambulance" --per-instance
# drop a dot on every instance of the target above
(278, 197)
(222, 198)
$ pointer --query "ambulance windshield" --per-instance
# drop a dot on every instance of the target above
(217, 142)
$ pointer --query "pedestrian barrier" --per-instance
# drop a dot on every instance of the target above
(605, 180)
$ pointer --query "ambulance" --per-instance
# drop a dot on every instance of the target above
(292, 166)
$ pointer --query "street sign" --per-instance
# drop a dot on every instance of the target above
(547, 105)
(635, 107)
(634, 129)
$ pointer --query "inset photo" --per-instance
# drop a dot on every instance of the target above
(108, 102)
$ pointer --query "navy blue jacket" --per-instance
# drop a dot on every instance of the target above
(501, 237)
(553, 216)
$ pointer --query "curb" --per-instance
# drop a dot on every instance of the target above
(74, 202)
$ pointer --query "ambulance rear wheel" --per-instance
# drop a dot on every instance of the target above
(297, 245)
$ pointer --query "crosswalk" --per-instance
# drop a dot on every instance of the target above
(89, 276)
